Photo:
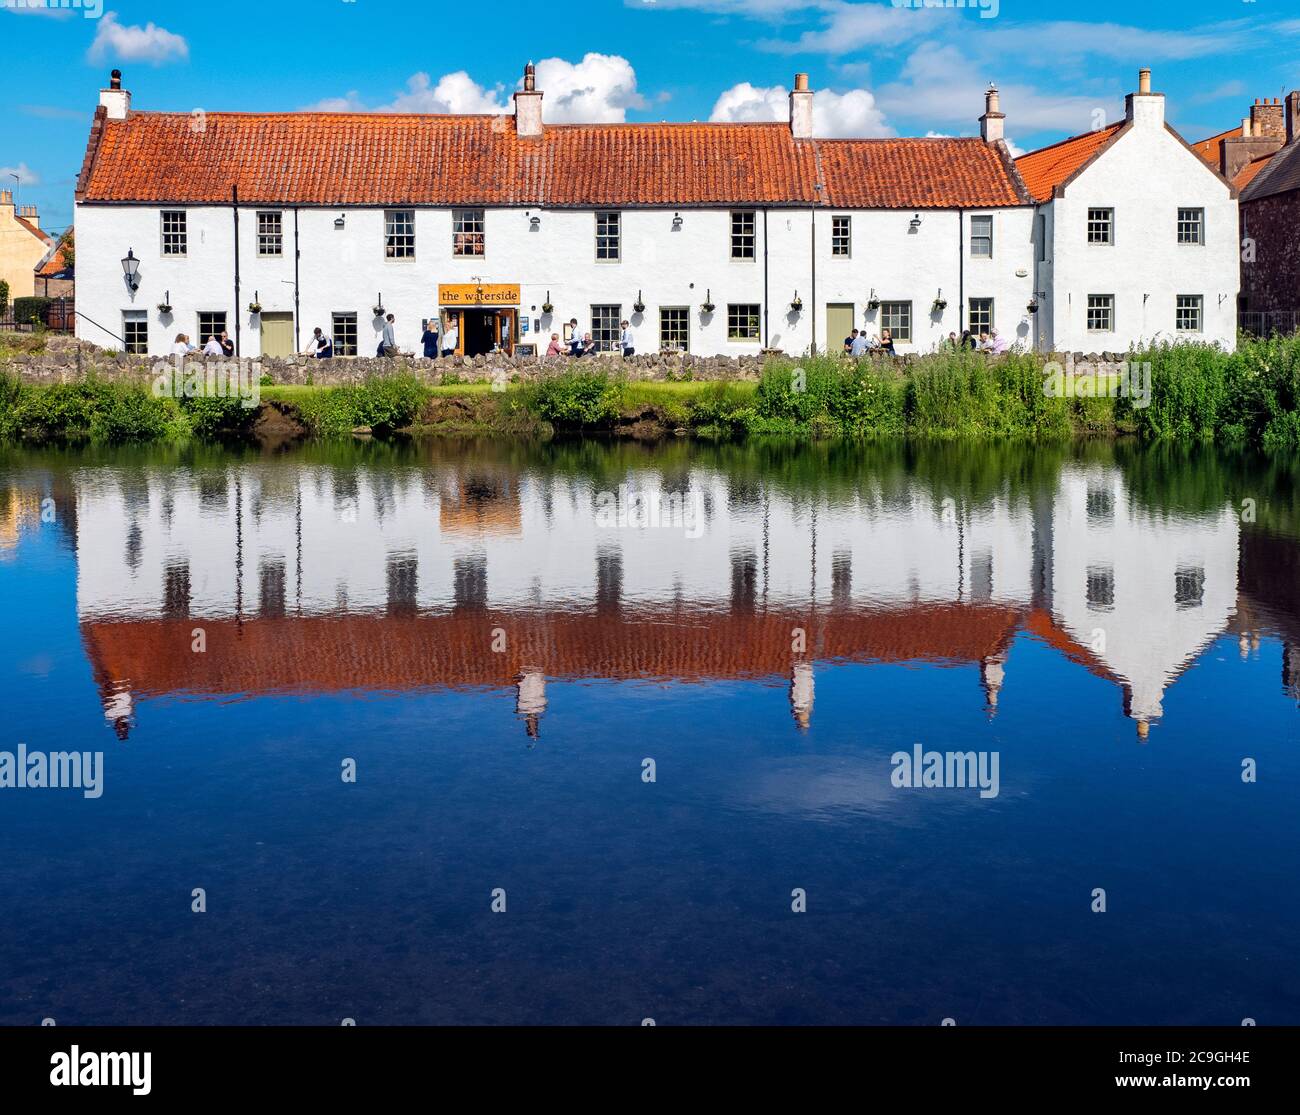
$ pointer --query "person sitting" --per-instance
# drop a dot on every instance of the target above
(860, 346)
(983, 346)
(575, 338)
(887, 342)
(227, 345)
(997, 343)
(181, 346)
(848, 341)
(213, 347)
(555, 348)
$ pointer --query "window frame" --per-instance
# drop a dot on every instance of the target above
(263, 236)
(342, 315)
(179, 233)
(842, 242)
(974, 236)
(212, 315)
(685, 312)
(140, 319)
(888, 310)
(605, 336)
(742, 238)
(739, 316)
(1108, 221)
(463, 231)
(970, 314)
(1109, 308)
(1198, 305)
(1197, 221)
(605, 239)
(399, 236)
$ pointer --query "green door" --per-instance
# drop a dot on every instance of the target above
(277, 334)
(839, 324)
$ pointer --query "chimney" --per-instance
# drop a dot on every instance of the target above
(992, 127)
(116, 99)
(528, 106)
(1267, 119)
(1245, 127)
(1145, 109)
(1293, 116)
(6, 199)
(801, 108)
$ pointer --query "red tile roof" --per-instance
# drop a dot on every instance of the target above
(1211, 150)
(35, 230)
(1246, 175)
(1045, 169)
(317, 158)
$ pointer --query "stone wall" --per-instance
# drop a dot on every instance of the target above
(1271, 284)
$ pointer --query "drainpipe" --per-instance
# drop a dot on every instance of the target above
(297, 317)
(234, 204)
(766, 338)
(961, 271)
(812, 213)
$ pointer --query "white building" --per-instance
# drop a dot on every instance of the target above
(517, 227)
(1136, 238)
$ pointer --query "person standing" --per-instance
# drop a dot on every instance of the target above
(227, 345)
(575, 338)
(887, 342)
(430, 339)
(451, 338)
(848, 341)
(859, 345)
(388, 346)
(627, 341)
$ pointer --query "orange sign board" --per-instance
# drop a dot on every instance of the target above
(475, 294)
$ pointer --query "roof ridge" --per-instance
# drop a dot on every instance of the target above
(1071, 139)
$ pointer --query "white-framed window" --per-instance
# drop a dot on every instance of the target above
(609, 237)
(1191, 226)
(605, 327)
(897, 318)
(1101, 313)
(344, 326)
(841, 235)
(467, 232)
(1101, 226)
(980, 318)
(1101, 588)
(270, 234)
(212, 323)
(742, 321)
(175, 235)
(743, 236)
(674, 329)
(135, 332)
(399, 233)
(981, 236)
(1189, 587)
(1189, 313)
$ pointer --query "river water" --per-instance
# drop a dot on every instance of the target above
(480, 732)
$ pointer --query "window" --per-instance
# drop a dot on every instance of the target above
(174, 239)
(897, 318)
(212, 323)
(345, 334)
(1101, 226)
(1189, 587)
(135, 332)
(270, 238)
(399, 233)
(981, 237)
(742, 321)
(674, 329)
(1191, 226)
(742, 234)
(467, 232)
(608, 237)
(981, 315)
(841, 236)
(1187, 313)
(1101, 313)
(605, 327)
(1100, 506)
(1101, 588)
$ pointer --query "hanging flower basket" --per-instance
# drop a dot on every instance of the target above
(939, 306)
(873, 303)
(255, 307)
(638, 307)
(1033, 306)
(797, 305)
(378, 311)
(164, 308)
(707, 307)
(547, 308)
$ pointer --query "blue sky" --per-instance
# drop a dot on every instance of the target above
(880, 68)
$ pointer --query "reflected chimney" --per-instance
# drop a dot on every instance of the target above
(530, 699)
(801, 694)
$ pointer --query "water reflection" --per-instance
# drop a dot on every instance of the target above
(440, 567)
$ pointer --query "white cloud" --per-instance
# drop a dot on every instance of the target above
(132, 43)
(850, 27)
(598, 90)
(26, 176)
(835, 115)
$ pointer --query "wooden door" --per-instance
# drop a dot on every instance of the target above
(505, 330)
(277, 334)
(839, 324)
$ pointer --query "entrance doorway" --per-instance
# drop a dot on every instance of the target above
(277, 334)
(839, 324)
(484, 331)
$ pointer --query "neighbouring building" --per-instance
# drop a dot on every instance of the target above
(23, 246)
(712, 238)
(1135, 239)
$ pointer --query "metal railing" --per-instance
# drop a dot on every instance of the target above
(1265, 324)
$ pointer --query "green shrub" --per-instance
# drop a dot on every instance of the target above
(4, 296)
(575, 399)
(95, 410)
(384, 403)
(31, 310)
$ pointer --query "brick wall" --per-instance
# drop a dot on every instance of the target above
(1272, 282)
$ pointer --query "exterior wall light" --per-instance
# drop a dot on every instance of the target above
(535, 223)
(130, 267)
(916, 223)
(677, 222)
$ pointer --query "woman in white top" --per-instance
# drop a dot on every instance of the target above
(213, 347)
(181, 346)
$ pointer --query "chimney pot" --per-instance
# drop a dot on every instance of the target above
(1292, 116)
(993, 122)
(801, 82)
(1144, 81)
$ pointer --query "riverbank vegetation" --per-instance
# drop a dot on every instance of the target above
(1191, 394)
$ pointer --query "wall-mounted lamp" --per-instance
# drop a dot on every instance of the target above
(340, 221)
(130, 266)
(677, 222)
(915, 223)
(535, 223)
